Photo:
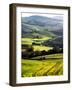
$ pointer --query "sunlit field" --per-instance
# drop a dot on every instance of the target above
(52, 65)
(40, 48)
(30, 40)
(39, 41)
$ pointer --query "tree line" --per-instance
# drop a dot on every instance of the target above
(30, 53)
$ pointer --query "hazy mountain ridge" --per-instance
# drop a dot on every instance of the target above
(42, 21)
(42, 25)
(56, 42)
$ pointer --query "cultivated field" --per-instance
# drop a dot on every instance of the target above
(53, 65)
(38, 43)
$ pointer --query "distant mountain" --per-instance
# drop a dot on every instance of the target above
(43, 21)
(41, 25)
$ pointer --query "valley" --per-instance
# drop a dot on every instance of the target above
(41, 46)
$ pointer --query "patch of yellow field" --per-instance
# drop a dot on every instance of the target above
(29, 40)
(26, 41)
(41, 48)
(48, 67)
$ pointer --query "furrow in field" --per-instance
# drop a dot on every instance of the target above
(44, 69)
(54, 70)
(58, 70)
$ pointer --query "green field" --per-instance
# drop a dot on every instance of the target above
(29, 40)
(39, 47)
(45, 65)
(52, 65)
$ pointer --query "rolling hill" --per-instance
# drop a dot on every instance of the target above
(41, 25)
(56, 42)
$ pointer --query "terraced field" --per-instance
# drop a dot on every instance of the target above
(53, 65)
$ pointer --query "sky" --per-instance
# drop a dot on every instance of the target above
(27, 14)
